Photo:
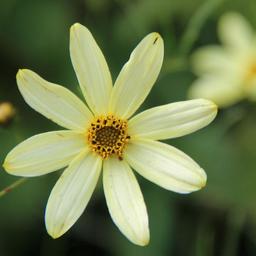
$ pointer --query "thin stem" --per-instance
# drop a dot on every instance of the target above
(190, 35)
(195, 24)
(12, 186)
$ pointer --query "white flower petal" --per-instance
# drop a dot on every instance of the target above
(71, 194)
(165, 165)
(125, 201)
(91, 68)
(173, 120)
(222, 91)
(53, 101)
(235, 31)
(44, 153)
(215, 60)
(137, 76)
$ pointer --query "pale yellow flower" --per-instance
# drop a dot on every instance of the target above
(227, 73)
(104, 136)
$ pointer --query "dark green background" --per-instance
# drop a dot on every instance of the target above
(218, 220)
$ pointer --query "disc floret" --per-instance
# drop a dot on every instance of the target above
(107, 135)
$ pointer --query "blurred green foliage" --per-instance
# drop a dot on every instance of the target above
(219, 220)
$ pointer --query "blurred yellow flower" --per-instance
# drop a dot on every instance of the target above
(102, 136)
(227, 74)
(7, 112)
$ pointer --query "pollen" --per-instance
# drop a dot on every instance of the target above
(107, 135)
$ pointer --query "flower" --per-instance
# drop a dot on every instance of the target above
(7, 112)
(227, 73)
(104, 136)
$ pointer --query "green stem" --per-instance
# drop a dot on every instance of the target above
(235, 224)
(12, 186)
(195, 24)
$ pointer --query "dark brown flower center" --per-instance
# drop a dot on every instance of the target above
(107, 135)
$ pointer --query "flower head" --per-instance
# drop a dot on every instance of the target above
(227, 73)
(104, 136)
(7, 112)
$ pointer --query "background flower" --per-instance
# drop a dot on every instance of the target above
(227, 73)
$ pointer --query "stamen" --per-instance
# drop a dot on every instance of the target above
(107, 135)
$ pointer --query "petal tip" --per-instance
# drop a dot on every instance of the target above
(209, 103)
(54, 235)
(203, 181)
(216, 108)
(156, 37)
(53, 232)
(213, 107)
(75, 26)
(19, 73)
(5, 166)
(145, 241)
(22, 72)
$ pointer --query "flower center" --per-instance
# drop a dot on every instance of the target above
(107, 135)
